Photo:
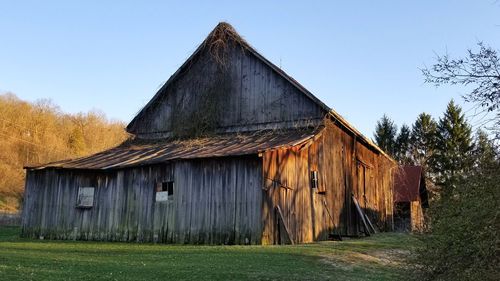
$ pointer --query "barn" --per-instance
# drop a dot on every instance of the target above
(230, 150)
(410, 198)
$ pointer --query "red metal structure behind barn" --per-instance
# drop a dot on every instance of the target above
(410, 198)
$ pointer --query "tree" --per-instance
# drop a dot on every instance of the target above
(485, 153)
(464, 240)
(385, 135)
(76, 141)
(453, 151)
(39, 132)
(479, 69)
(423, 139)
(463, 220)
(402, 151)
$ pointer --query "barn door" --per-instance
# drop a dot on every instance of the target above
(284, 218)
(277, 212)
(286, 213)
(362, 192)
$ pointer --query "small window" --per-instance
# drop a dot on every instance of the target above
(85, 197)
(314, 179)
(316, 184)
(164, 191)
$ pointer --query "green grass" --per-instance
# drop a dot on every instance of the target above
(376, 258)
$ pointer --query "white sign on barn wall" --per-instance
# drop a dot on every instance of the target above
(85, 197)
(161, 196)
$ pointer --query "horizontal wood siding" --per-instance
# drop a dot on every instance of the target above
(216, 201)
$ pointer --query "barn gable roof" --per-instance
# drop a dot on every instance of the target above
(220, 34)
(223, 32)
(222, 145)
(141, 153)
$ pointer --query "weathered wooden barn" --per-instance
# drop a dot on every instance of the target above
(230, 150)
(410, 198)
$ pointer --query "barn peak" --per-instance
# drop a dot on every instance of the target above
(222, 32)
(220, 39)
(227, 86)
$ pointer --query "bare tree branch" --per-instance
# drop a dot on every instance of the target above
(479, 69)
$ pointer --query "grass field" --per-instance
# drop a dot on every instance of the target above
(380, 257)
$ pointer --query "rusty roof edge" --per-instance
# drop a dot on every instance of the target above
(60, 164)
(132, 165)
(157, 162)
(125, 166)
(357, 133)
(299, 142)
(57, 163)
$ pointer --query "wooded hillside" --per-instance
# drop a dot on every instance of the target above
(40, 132)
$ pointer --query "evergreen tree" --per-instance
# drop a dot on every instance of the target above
(452, 158)
(402, 145)
(464, 220)
(485, 152)
(423, 138)
(385, 135)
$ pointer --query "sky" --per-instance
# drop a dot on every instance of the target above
(362, 58)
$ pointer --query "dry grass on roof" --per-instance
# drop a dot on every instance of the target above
(235, 137)
(220, 39)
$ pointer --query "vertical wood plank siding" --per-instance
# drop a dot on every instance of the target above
(216, 201)
(258, 98)
(345, 167)
(228, 200)
(417, 216)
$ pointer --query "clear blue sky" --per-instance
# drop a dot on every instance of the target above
(361, 58)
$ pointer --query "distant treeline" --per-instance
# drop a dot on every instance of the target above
(447, 149)
(40, 132)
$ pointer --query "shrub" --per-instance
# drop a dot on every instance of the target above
(462, 242)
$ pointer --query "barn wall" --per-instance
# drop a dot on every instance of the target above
(216, 201)
(345, 167)
(416, 216)
(245, 94)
